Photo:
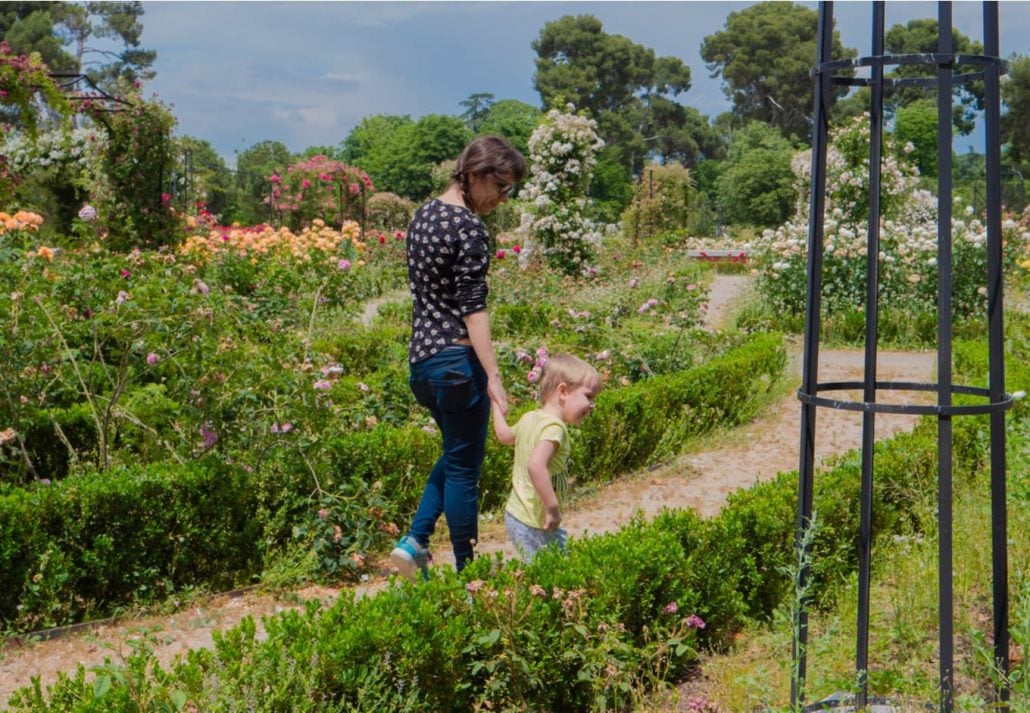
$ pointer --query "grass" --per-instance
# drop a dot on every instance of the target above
(755, 674)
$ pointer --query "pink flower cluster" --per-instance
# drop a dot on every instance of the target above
(538, 366)
(648, 306)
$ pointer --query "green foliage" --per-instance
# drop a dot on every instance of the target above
(203, 179)
(28, 27)
(49, 28)
(24, 81)
(253, 167)
(764, 55)
(590, 629)
(920, 36)
(388, 212)
(399, 153)
(663, 202)
(1016, 93)
(512, 119)
(622, 85)
(477, 107)
(630, 425)
(133, 204)
(611, 188)
(916, 123)
(75, 548)
(756, 184)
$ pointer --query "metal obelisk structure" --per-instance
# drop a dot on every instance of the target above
(941, 75)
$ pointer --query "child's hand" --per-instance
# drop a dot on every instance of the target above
(552, 520)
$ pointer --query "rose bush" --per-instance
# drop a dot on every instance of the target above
(907, 254)
(563, 152)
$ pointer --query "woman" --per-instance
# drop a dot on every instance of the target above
(453, 367)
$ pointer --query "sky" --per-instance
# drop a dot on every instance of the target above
(306, 73)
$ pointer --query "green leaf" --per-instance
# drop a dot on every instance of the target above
(490, 638)
(101, 685)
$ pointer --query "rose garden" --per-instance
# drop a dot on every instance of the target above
(189, 406)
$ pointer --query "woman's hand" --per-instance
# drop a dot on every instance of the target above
(495, 389)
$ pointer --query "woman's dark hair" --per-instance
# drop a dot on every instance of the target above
(487, 155)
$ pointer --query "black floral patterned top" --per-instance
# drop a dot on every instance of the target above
(448, 258)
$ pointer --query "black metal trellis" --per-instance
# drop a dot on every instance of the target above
(101, 101)
(996, 401)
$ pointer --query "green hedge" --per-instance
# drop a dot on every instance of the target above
(71, 550)
(574, 632)
(632, 426)
(81, 547)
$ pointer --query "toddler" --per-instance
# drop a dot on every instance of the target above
(539, 478)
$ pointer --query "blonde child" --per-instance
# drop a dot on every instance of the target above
(568, 388)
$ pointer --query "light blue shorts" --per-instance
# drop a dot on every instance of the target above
(530, 540)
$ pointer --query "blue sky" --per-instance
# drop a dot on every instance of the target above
(305, 73)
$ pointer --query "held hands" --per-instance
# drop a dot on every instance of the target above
(495, 389)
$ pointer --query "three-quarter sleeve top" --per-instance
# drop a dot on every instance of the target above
(448, 259)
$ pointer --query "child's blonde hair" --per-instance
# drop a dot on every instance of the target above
(566, 369)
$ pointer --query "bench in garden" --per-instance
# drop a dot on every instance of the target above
(713, 255)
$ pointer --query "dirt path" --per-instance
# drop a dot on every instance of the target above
(700, 480)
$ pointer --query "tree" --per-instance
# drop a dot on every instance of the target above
(204, 178)
(371, 143)
(919, 37)
(619, 83)
(683, 134)
(756, 183)
(399, 154)
(477, 106)
(253, 168)
(62, 34)
(1015, 90)
(765, 55)
(514, 120)
(28, 27)
(916, 123)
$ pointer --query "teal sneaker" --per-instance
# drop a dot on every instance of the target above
(409, 556)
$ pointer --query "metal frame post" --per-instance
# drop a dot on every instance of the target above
(944, 78)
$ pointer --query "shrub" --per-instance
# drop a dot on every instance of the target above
(388, 212)
(133, 209)
(575, 632)
(75, 548)
(562, 159)
(662, 202)
(629, 425)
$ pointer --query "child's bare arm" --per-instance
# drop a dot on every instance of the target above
(502, 430)
(540, 474)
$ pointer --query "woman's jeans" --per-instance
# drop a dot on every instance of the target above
(452, 385)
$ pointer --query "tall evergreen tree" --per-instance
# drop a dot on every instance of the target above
(765, 55)
(622, 85)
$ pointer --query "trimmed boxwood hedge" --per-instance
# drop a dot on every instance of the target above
(83, 546)
(86, 543)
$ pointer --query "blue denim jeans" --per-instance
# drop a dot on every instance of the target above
(452, 385)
